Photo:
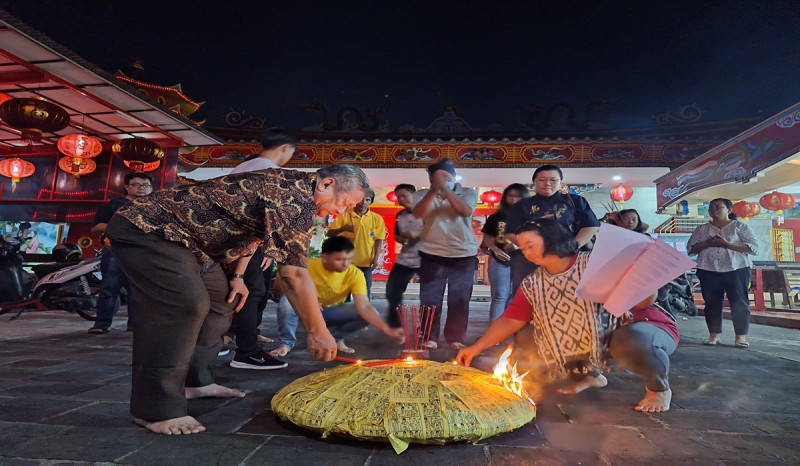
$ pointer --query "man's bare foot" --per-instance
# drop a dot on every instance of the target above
(280, 351)
(654, 402)
(213, 391)
(344, 348)
(263, 339)
(581, 385)
(177, 426)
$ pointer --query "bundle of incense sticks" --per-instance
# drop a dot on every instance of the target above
(417, 323)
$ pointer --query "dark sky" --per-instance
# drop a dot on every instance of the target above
(269, 58)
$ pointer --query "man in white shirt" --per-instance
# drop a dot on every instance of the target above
(448, 250)
(277, 148)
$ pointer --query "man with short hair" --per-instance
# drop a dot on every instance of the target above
(366, 230)
(170, 247)
(449, 251)
(335, 278)
(407, 230)
(277, 148)
(137, 184)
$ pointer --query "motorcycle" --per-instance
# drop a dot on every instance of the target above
(69, 284)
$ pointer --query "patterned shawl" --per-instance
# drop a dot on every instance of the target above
(569, 332)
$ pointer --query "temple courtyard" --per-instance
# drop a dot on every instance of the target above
(64, 400)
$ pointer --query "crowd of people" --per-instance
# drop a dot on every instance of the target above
(198, 261)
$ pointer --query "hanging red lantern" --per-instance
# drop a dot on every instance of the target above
(16, 169)
(138, 150)
(80, 145)
(777, 201)
(491, 197)
(33, 116)
(391, 197)
(746, 209)
(621, 194)
(77, 166)
(4, 97)
(141, 166)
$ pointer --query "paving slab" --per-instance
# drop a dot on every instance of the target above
(64, 400)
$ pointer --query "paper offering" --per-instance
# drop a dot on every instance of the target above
(626, 267)
(403, 402)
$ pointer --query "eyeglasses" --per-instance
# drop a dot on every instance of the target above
(139, 185)
(546, 181)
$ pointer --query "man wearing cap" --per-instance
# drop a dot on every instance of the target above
(448, 250)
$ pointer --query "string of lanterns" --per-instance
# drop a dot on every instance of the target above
(33, 117)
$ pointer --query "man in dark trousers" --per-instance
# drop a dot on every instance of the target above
(277, 148)
(137, 184)
(171, 247)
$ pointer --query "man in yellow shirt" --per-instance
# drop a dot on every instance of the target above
(367, 231)
(335, 278)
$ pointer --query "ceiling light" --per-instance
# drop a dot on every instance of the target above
(129, 118)
(616, 177)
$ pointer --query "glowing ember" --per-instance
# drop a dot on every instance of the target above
(509, 377)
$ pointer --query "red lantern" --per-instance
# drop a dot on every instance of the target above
(77, 166)
(16, 168)
(141, 167)
(746, 209)
(4, 97)
(139, 150)
(777, 201)
(491, 197)
(621, 194)
(33, 116)
(80, 145)
(392, 197)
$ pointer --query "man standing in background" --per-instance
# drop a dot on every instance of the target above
(367, 231)
(137, 184)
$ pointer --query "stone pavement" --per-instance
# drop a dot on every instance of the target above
(64, 400)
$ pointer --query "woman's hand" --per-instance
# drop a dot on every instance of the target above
(465, 355)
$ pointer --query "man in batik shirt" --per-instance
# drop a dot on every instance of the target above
(170, 247)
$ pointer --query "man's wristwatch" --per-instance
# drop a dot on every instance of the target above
(238, 275)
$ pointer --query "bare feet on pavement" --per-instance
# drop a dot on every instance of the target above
(654, 402)
(177, 426)
(263, 339)
(344, 348)
(213, 391)
(581, 385)
(280, 351)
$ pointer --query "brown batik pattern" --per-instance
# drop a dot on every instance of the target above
(225, 218)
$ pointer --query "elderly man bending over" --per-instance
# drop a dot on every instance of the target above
(170, 246)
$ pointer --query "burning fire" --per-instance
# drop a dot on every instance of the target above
(509, 377)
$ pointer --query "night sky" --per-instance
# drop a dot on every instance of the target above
(734, 59)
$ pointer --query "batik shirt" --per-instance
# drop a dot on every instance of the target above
(225, 218)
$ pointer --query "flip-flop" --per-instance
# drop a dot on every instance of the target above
(710, 342)
(98, 330)
(742, 344)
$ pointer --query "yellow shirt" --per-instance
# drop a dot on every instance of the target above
(333, 287)
(367, 229)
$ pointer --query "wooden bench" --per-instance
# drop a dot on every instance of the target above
(772, 279)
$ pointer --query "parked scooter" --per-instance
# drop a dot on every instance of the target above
(69, 284)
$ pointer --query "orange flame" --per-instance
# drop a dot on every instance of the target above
(509, 377)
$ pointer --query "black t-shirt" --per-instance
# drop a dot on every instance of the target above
(104, 214)
(496, 226)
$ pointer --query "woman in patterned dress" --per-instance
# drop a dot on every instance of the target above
(570, 335)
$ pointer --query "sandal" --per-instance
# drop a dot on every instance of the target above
(710, 342)
(742, 344)
(98, 330)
